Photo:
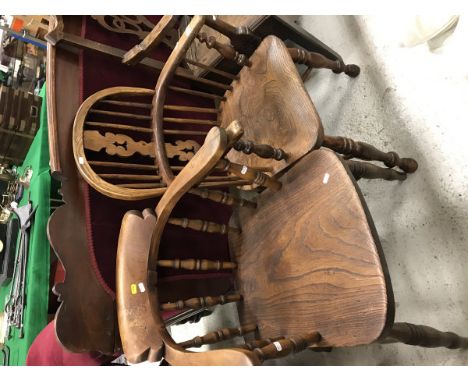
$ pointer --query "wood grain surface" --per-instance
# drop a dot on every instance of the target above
(318, 265)
(140, 337)
(271, 103)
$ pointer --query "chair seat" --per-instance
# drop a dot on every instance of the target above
(318, 265)
(271, 103)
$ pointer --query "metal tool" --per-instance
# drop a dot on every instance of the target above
(14, 307)
(5, 350)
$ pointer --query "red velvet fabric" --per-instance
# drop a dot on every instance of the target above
(105, 214)
(46, 350)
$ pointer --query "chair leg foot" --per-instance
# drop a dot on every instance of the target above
(371, 171)
(352, 70)
(365, 151)
(425, 336)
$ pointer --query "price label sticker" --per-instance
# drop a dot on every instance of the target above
(133, 289)
(278, 346)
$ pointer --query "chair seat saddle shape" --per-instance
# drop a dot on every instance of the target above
(309, 259)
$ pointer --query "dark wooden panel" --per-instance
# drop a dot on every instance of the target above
(86, 318)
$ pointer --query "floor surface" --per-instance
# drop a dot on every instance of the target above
(415, 102)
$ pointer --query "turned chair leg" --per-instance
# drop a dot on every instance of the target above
(316, 60)
(218, 336)
(425, 336)
(261, 150)
(244, 172)
(286, 346)
(371, 171)
(365, 151)
(223, 198)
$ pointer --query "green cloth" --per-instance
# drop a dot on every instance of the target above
(38, 267)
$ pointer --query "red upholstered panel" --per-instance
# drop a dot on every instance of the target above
(46, 350)
(105, 214)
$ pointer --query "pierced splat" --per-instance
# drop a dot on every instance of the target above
(124, 146)
(185, 150)
(137, 25)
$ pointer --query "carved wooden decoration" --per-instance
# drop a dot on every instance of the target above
(151, 41)
(136, 25)
(124, 146)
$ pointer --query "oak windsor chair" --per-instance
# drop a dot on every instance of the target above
(302, 285)
(255, 97)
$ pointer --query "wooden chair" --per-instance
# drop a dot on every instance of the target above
(115, 155)
(309, 267)
(136, 293)
(267, 97)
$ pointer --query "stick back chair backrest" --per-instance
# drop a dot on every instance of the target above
(116, 123)
(267, 95)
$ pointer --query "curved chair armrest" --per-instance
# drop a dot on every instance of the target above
(150, 42)
(216, 143)
(139, 336)
(140, 323)
(200, 165)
